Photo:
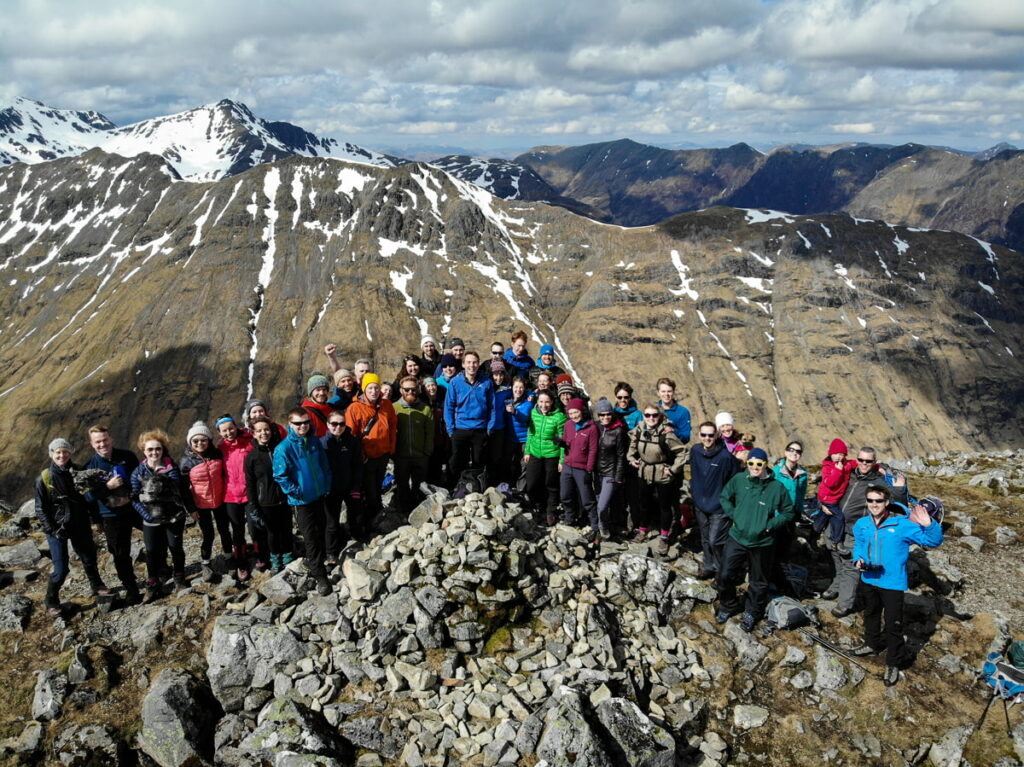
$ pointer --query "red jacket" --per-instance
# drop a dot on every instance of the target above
(834, 480)
(580, 444)
(316, 410)
(234, 466)
(206, 479)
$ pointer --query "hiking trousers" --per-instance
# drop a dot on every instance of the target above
(847, 577)
(207, 518)
(608, 489)
(374, 470)
(542, 483)
(730, 571)
(79, 534)
(876, 602)
(158, 539)
(312, 519)
(655, 506)
(278, 522)
(409, 473)
(578, 479)
(117, 530)
(469, 450)
(714, 532)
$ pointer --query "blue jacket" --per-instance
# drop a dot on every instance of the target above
(710, 472)
(679, 417)
(888, 545)
(517, 423)
(301, 468)
(630, 415)
(519, 367)
(121, 462)
(499, 396)
(797, 486)
(468, 405)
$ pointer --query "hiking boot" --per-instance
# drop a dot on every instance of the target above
(241, 575)
(837, 613)
(723, 615)
(892, 676)
(747, 622)
(705, 575)
(864, 650)
(153, 592)
(180, 581)
(550, 519)
(827, 595)
(206, 573)
(262, 565)
(640, 536)
(323, 587)
(606, 535)
(132, 597)
(661, 545)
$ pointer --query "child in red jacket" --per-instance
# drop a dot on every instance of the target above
(835, 476)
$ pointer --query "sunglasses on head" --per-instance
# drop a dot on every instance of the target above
(755, 463)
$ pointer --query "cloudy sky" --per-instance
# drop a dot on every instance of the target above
(505, 75)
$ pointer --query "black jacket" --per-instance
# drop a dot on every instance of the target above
(59, 506)
(345, 456)
(261, 489)
(611, 450)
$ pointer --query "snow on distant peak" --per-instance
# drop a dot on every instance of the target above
(501, 178)
(32, 132)
(202, 144)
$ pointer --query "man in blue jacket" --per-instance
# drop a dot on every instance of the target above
(302, 470)
(113, 499)
(677, 415)
(881, 546)
(711, 468)
(467, 413)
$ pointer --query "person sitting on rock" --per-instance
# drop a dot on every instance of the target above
(302, 471)
(114, 501)
(835, 478)
(854, 506)
(759, 507)
(881, 547)
(64, 515)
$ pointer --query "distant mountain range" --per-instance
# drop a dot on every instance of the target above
(621, 182)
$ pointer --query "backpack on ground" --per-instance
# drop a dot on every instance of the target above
(1005, 679)
(470, 481)
(788, 613)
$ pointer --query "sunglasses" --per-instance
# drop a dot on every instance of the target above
(604, 415)
(707, 434)
(407, 390)
(200, 439)
(876, 500)
(626, 397)
(335, 424)
(796, 450)
(652, 415)
(496, 353)
(865, 460)
(756, 464)
(299, 423)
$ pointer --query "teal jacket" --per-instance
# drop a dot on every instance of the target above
(757, 508)
(795, 485)
(301, 468)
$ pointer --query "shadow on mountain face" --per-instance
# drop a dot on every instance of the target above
(168, 390)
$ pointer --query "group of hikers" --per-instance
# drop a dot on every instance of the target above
(450, 419)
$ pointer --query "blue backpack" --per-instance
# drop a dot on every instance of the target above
(1006, 680)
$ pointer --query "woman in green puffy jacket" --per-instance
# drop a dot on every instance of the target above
(543, 453)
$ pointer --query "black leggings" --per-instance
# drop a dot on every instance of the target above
(655, 506)
(207, 517)
(278, 520)
(236, 515)
(542, 482)
(158, 539)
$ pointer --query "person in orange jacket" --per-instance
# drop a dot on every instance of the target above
(372, 420)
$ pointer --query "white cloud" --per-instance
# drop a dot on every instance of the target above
(858, 128)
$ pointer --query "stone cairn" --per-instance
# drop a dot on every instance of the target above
(468, 634)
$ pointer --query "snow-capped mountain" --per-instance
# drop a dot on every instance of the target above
(33, 132)
(510, 180)
(202, 144)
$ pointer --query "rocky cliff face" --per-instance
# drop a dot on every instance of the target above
(142, 300)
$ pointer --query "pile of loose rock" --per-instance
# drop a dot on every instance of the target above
(465, 633)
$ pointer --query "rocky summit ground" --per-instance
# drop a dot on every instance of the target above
(473, 636)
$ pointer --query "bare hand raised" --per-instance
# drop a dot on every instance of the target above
(919, 515)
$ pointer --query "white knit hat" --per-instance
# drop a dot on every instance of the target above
(722, 419)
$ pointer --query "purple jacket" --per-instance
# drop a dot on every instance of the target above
(581, 441)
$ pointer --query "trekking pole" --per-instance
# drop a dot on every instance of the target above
(833, 648)
(984, 711)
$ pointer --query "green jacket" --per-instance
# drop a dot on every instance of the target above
(757, 508)
(415, 430)
(542, 433)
